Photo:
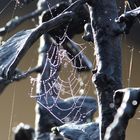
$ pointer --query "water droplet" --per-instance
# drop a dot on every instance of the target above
(134, 102)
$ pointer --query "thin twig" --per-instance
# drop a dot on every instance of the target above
(129, 19)
(12, 24)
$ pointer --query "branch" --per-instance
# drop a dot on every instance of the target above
(107, 77)
(129, 18)
(12, 24)
(75, 5)
(16, 47)
(127, 109)
(23, 40)
(22, 75)
(23, 132)
(72, 131)
(73, 49)
(88, 35)
(134, 3)
(77, 56)
(18, 75)
(81, 16)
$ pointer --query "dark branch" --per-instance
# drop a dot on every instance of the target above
(128, 19)
(88, 35)
(16, 47)
(23, 132)
(73, 50)
(79, 59)
(134, 3)
(107, 77)
(12, 24)
(21, 75)
(72, 131)
(127, 109)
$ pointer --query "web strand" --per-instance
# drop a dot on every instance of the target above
(130, 66)
(12, 16)
(5, 7)
(12, 113)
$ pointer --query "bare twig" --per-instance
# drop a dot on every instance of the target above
(134, 3)
(16, 47)
(88, 35)
(21, 75)
(77, 56)
(129, 18)
(20, 43)
(12, 24)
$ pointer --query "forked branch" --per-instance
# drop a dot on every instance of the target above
(128, 19)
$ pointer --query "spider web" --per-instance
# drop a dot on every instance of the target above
(59, 84)
(63, 91)
(61, 94)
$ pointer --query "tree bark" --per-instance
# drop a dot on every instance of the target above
(107, 78)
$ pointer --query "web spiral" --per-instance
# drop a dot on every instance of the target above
(64, 90)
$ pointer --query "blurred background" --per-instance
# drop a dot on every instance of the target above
(23, 107)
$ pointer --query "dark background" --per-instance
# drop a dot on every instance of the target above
(23, 110)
